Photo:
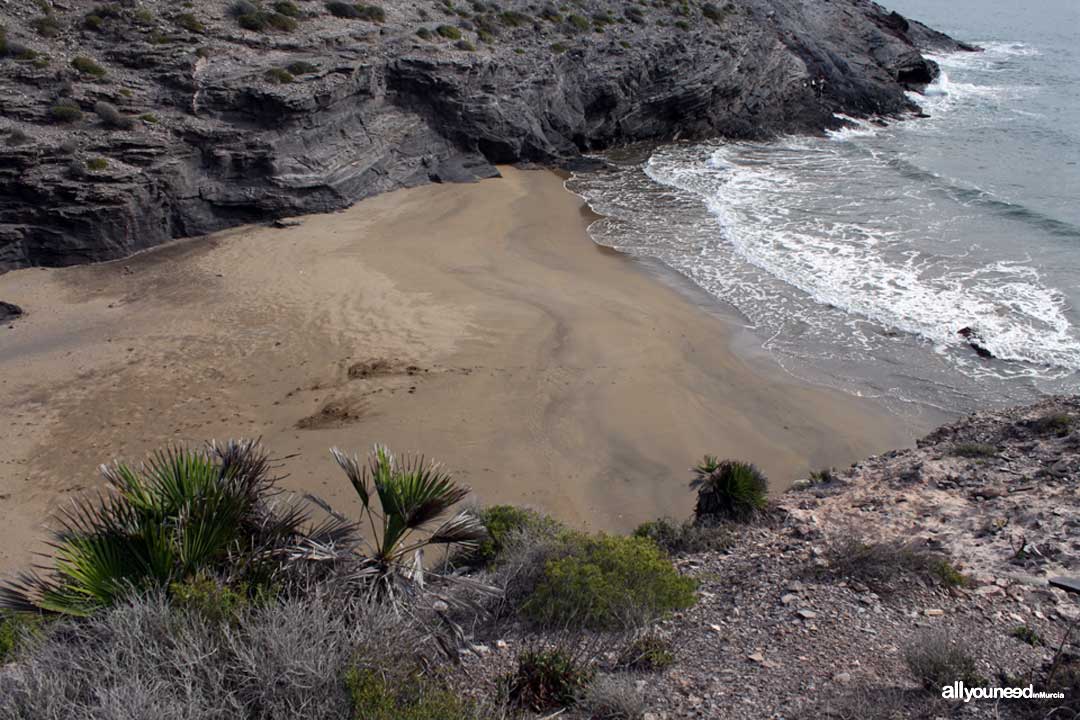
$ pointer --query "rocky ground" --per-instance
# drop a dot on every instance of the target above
(778, 632)
(129, 123)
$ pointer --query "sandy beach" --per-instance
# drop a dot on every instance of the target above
(477, 324)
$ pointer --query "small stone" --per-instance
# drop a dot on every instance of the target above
(501, 644)
(842, 677)
(789, 598)
(756, 657)
(933, 612)
(806, 614)
(439, 606)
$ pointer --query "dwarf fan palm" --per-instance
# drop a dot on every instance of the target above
(412, 494)
(182, 512)
(728, 490)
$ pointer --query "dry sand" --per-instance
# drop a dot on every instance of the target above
(476, 323)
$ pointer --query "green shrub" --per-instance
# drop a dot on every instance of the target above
(343, 9)
(682, 25)
(821, 477)
(46, 26)
(881, 565)
(674, 538)
(648, 652)
(287, 8)
(93, 22)
(937, 659)
(150, 118)
(111, 117)
(301, 68)
(974, 450)
(65, 111)
(559, 48)
(277, 21)
(15, 629)
(371, 13)
(205, 595)
(1027, 634)
(578, 22)
(548, 679)
(278, 76)
(465, 45)
(512, 18)
(374, 697)
(449, 31)
(424, 34)
(1057, 424)
(606, 582)
(728, 490)
(97, 164)
(716, 13)
(504, 522)
(189, 22)
(87, 66)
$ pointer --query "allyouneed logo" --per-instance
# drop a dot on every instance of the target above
(957, 691)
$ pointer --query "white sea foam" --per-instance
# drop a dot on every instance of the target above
(777, 217)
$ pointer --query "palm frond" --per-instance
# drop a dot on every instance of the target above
(356, 473)
(464, 529)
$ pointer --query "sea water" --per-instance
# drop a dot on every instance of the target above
(857, 258)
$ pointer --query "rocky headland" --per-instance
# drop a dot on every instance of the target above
(130, 123)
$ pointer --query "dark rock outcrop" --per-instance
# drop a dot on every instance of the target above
(9, 311)
(219, 142)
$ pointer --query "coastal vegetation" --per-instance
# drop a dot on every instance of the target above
(195, 581)
(199, 553)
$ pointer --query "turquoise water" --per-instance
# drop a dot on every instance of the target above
(857, 257)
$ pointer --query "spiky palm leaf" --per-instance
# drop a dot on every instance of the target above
(183, 512)
(413, 493)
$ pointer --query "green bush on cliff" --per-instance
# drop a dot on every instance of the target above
(278, 76)
(371, 13)
(607, 582)
(87, 66)
(449, 32)
(685, 537)
(65, 111)
(506, 524)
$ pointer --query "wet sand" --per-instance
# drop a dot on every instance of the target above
(477, 324)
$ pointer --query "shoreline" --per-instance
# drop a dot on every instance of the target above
(479, 324)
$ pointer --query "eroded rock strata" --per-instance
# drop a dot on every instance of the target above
(129, 123)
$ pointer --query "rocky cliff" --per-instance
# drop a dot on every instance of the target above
(130, 123)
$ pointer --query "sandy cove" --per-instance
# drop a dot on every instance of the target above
(476, 323)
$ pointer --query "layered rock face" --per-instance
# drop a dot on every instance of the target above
(212, 124)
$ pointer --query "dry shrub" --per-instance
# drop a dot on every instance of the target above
(883, 565)
(146, 659)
